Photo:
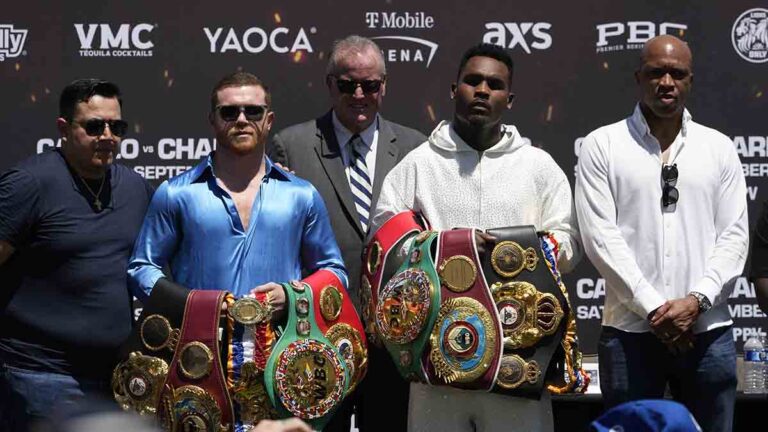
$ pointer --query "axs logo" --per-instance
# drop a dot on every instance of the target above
(526, 35)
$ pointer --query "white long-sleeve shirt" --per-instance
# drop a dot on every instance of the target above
(511, 183)
(646, 253)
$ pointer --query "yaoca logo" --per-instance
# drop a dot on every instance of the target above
(255, 40)
(11, 41)
(107, 40)
(619, 36)
(750, 35)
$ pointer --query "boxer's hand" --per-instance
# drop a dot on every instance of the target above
(287, 425)
(276, 296)
(482, 239)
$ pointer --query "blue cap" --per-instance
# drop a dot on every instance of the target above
(647, 416)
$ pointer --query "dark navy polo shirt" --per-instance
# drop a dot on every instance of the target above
(64, 301)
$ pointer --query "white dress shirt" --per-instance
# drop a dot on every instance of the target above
(454, 185)
(370, 137)
(647, 253)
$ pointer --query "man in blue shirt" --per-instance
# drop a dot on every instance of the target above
(236, 221)
(68, 221)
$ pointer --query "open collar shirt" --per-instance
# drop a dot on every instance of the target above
(192, 225)
(649, 253)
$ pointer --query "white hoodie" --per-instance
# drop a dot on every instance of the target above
(511, 183)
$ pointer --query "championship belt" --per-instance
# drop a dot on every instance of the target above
(137, 382)
(337, 319)
(530, 309)
(305, 375)
(380, 260)
(465, 341)
(407, 307)
(195, 395)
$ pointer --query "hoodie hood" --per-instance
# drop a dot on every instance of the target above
(446, 138)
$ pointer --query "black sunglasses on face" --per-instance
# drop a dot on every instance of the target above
(669, 193)
(252, 113)
(95, 127)
(349, 86)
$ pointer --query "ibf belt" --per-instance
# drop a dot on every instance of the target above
(379, 260)
(407, 308)
(305, 376)
(195, 395)
(465, 345)
(530, 309)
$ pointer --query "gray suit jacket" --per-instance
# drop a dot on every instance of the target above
(312, 151)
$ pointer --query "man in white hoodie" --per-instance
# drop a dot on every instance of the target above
(475, 171)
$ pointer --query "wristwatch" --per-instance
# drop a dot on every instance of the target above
(704, 303)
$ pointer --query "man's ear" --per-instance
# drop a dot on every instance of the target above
(453, 90)
(510, 99)
(63, 127)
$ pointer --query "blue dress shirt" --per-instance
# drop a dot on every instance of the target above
(192, 224)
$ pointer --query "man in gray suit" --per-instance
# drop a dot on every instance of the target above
(346, 154)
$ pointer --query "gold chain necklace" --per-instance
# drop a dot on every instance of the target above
(97, 201)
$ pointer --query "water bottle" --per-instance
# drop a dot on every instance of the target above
(754, 382)
(764, 358)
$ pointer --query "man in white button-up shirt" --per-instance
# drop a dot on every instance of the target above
(662, 209)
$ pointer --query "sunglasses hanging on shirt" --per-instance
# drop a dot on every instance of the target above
(669, 193)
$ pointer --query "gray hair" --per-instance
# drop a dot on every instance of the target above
(352, 44)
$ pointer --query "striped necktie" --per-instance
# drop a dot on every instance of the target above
(359, 181)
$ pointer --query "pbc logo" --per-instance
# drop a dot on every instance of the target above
(255, 40)
(631, 35)
(750, 35)
(526, 35)
(394, 20)
(11, 41)
(103, 40)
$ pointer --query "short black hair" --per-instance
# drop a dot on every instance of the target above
(487, 50)
(239, 79)
(82, 90)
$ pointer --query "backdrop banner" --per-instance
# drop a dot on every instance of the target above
(574, 72)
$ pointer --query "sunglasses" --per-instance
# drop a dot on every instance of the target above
(252, 113)
(669, 193)
(95, 127)
(349, 86)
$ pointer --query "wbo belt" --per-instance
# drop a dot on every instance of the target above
(465, 342)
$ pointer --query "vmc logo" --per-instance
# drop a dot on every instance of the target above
(619, 36)
(400, 48)
(256, 39)
(107, 40)
(11, 41)
(526, 35)
(750, 35)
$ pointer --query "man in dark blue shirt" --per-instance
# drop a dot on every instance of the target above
(68, 220)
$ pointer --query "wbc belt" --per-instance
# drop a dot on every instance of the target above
(195, 395)
(337, 319)
(407, 307)
(465, 345)
(305, 375)
(530, 309)
(380, 260)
